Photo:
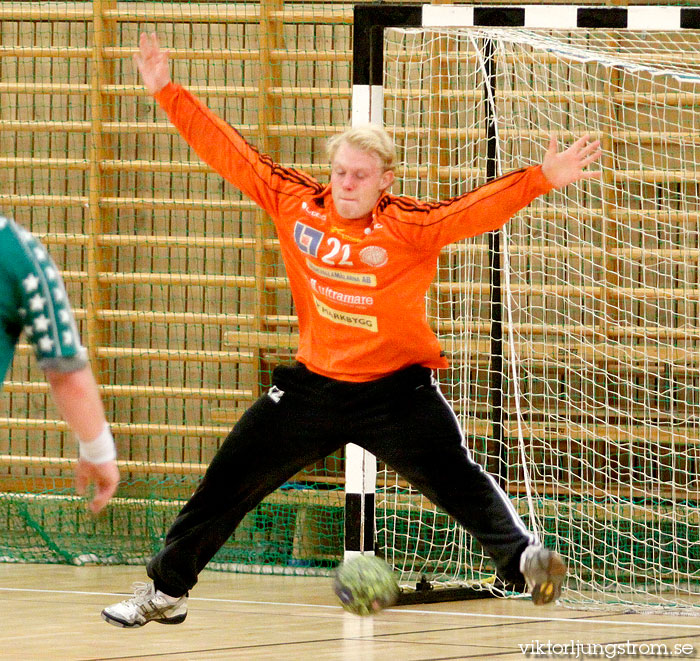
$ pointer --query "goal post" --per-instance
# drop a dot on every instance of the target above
(573, 333)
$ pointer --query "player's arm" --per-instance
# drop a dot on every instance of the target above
(490, 206)
(50, 327)
(80, 405)
(214, 140)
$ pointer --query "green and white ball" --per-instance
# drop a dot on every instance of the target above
(365, 585)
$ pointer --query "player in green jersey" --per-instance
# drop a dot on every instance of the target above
(33, 299)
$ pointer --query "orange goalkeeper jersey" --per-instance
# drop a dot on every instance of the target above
(358, 286)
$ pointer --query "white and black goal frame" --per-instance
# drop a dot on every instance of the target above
(370, 22)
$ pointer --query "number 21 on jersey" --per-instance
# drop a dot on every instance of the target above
(339, 254)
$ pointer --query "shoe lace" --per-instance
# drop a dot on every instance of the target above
(141, 591)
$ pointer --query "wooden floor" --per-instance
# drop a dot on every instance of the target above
(52, 612)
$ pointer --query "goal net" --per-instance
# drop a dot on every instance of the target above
(579, 390)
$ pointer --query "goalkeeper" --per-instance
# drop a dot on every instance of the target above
(359, 261)
(34, 300)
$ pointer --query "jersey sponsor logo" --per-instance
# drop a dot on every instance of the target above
(374, 256)
(348, 237)
(362, 279)
(365, 321)
(308, 239)
(315, 214)
(335, 295)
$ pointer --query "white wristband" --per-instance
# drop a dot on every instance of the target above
(100, 450)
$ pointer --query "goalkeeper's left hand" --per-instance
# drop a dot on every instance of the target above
(565, 167)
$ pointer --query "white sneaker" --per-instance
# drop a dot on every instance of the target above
(147, 605)
(544, 573)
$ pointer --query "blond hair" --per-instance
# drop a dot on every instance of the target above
(369, 137)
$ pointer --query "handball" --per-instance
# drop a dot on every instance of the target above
(365, 585)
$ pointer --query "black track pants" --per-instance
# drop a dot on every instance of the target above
(402, 419)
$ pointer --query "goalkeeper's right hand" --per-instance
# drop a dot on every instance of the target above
(152, 63)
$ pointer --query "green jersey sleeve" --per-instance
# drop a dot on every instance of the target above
(33, 299)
